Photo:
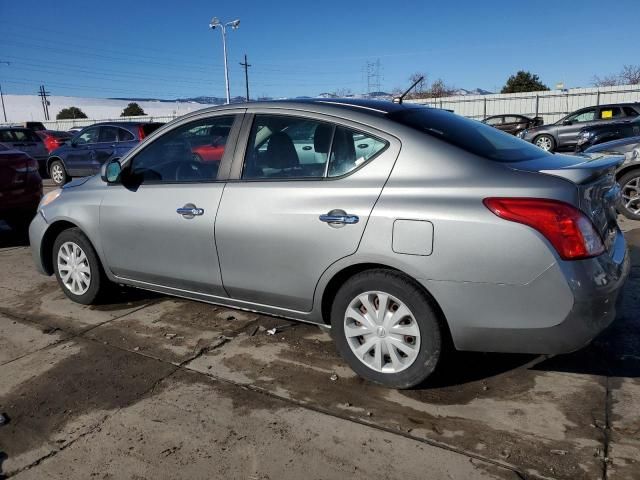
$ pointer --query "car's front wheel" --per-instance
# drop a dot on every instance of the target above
(629, 204)
(545, 142)
(58, 173)
(77, 267)
(386, 329)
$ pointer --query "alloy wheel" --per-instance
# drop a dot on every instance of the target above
(631, 195)
(57, 173)
(382, 332)
(544, 143)
(74, 269)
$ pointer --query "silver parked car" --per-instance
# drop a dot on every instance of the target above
(406, 229)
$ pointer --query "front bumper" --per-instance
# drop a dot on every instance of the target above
(37, 230)
(561, 311)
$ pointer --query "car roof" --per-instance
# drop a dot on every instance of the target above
(373, 107)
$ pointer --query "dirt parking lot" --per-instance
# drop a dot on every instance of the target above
(151, 387)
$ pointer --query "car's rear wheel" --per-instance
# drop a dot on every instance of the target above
(629, 204)
(386, 329)
(545, 142)
(58, 173)
(77, 267)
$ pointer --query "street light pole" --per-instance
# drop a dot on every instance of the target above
(2, 96)
(215, 23)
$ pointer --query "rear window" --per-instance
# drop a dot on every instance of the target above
(469, 135)
(19, 135)
(149, 128)
(56, 134)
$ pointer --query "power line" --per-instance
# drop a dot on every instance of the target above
(246, 74)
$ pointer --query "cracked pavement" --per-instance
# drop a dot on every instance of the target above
(156, 387)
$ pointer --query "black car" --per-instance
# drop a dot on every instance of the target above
(627, 174)
(512, 124)
(563, 135)
(606, 132)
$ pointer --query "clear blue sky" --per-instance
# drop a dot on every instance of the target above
(163, 48)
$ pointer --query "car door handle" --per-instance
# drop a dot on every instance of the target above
(190, 211)
(339, 218)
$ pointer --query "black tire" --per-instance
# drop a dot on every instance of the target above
(60, 176)
(432, 336)
(99, 283)
(632, 176)
(548, 138)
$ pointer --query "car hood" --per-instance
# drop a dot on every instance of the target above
(77, 182)
(615, 146)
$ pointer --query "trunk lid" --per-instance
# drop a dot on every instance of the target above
(595, 180)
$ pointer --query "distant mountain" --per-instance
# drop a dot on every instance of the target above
(476, 91)
(201, 99)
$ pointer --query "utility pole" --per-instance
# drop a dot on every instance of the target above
(45, 103)
(246, 74)
(2, 96)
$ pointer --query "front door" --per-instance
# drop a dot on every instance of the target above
(157, 226)
(79, 159)
(285, 220)
(568, 131)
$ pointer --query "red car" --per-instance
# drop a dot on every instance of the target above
(53, 139)
(20, 187)
(208, 145)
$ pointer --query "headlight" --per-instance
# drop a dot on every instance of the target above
(49, 197)
(584, 137)
(522, 133)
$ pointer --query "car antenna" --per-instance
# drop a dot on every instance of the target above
(399, 99)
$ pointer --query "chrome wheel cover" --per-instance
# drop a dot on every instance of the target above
(382, 332)
(544, 143)
(631, 195)
(74, 269)
(57, 174)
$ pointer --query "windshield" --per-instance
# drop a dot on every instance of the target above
(469, 135)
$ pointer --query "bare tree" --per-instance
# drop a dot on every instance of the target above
(607, 81)
(440, 89)
(421, 85)
(630, 74)
(343, 92)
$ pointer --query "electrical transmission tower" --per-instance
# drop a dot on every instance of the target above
(373, 77)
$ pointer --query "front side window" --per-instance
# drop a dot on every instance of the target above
(292, 147)
(183, 154)
(493, 121)
(86, 137)
(584, 116)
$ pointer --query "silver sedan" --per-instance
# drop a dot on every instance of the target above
(407, 230)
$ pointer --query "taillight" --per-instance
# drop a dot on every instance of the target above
(32, 165)
(141, 134)
(568, 229)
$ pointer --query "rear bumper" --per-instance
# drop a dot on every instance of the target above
(561, 311)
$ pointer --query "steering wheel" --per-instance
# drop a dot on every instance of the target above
(189, 170)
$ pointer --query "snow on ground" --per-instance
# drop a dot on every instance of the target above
(21, 108)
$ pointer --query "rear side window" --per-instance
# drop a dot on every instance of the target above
(125, 135)
(108, 134)
(25, 136)
(282, 147)
(469, 135)
(610, 112)
(630, 112)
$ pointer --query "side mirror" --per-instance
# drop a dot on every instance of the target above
(110, 172)
(567, 122)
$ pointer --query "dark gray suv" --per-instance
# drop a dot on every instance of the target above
(563, 135)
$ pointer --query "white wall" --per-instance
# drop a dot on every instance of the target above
(552, 105)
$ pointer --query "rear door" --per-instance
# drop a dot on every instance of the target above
(282, 222)
(157, 225)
